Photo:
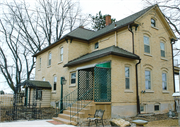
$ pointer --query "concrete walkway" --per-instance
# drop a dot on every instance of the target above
(32, 123)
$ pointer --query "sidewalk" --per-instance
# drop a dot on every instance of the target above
(34, 123)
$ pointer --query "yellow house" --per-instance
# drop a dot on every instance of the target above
(125, 68)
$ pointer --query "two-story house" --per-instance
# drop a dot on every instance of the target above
(125, 68)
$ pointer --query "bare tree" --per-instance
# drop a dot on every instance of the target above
(25, 31)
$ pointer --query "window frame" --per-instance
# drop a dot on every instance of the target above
(150, 79)
(40, 61)
(155, 107)
(164, 81)
(145, 45)
(54, 83)
(162, 49)
(153, 24)
(96, 45)
(39, 92)
(74, 78)
(127, 78)
(49, 58)
(61, 53)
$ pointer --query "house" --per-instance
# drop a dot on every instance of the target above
(125, 68)
(37, 93)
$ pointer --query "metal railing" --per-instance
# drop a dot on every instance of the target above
(66, 101)
(80, 103)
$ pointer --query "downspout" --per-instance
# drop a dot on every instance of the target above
(173, 42)
(115, 39)
(130, 29)
(137, 91)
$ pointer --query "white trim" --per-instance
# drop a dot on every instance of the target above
(87, 66)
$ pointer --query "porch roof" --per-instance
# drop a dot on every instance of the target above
(39, 84)
(113, 50)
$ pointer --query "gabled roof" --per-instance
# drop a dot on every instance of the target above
(39, 84)
(87, 35)
(113, 50)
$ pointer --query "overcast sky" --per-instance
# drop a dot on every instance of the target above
(118, 9)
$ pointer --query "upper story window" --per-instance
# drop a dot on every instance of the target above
(164, 81)
(49, 59)
(146, 44)
(153, 23)
(61, 54)
(127, 77)
(55, 83)
(96, 46)
(40, 62)
(162, 46)
(73, 78)
(148, 79)
(43, 79)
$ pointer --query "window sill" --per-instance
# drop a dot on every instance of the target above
(164, 59)
(95, 49)
(128, 91)
(165, 92)
(72, 85)
(49, 66)
(154, 28)
(60, 62)
(53, 92)
(149, 91)
(39, 69)
(148, 54)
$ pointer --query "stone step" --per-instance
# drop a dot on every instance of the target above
(66, 116)
(65, 121)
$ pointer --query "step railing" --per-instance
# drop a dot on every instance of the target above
(66, 101)
(81, 103)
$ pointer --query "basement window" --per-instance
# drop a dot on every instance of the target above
(156, 107)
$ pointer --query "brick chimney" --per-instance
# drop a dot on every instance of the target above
(108, 20)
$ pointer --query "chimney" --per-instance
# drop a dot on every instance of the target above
(81, 26)
(108, 20)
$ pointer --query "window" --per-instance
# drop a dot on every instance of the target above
(156, 107)
(148, 79)
(153, 23)
(96, 45)
(146, 44)
(61, 54)
(49, 59)
(43, 79)
(54, 84)
(127, 78)
(73, 78)
(39, 62)
(162, 49)
(38, 94)
(142, 108)
(164, 81)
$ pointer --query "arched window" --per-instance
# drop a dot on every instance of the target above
(148, 79)
(49, 58)
(54, 83)
(61, 53)
(146, 44)
(127, 77)
(164, 80)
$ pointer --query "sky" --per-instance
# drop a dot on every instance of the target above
(118, 9)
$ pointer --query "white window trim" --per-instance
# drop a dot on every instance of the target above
(49, 65)
(147, 45)
(165, 91)
(53, 84)
(60, 55)
(148, 90)
(163, 50)
(128, 77)
(74, 84)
